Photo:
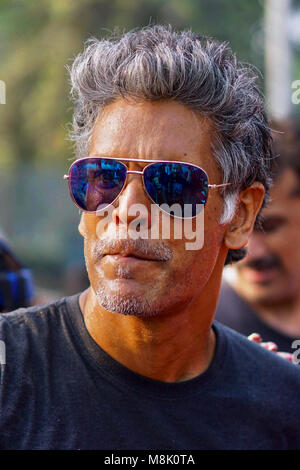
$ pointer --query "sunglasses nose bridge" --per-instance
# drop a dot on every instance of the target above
(139, 172)
(136, 172)
(132, 172)
(132, 204)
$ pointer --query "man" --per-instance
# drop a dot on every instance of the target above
(262, 292)
(16, 281)
(134, 362)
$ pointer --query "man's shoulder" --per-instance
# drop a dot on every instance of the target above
(33, 319)
(34, 339)
(254, 364)
(25, 315)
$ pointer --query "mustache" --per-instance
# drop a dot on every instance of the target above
(139, 248)
(267, 262)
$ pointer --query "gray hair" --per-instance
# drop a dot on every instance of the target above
(198, 72)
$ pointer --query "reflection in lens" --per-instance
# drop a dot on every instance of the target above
(95, 183)
(177, 184)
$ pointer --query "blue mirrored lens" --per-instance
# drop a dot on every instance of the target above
(95, 183)
(183, 185)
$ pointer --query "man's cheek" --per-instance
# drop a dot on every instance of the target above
(89, 253)
(188, 275)
(182, 265)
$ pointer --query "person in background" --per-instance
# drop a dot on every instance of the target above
(136, 361)
(16, 281)
(261, 293)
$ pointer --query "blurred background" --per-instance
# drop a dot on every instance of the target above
(37, 40)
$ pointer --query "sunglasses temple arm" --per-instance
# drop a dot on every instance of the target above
(218, 185)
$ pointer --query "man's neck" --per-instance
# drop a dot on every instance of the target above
(169, 348)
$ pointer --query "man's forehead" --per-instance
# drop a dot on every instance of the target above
(155, 130)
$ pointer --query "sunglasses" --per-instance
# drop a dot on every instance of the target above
(96, 183)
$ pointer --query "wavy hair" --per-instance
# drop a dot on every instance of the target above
(199, 72)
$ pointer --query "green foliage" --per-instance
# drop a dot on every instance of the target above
(37, 40)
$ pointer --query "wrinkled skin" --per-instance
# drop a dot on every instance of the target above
(154, 315)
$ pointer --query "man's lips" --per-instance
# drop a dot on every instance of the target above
(129, 251)
(130, 267)
(130, 257)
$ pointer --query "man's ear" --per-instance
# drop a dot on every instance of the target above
(82, 225)
(241, 226)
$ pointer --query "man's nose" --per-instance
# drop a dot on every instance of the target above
(133, 205)
(257, 246)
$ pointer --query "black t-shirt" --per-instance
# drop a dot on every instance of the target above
(60, 390)
(234, 312)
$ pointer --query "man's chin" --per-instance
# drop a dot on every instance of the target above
(126, 304)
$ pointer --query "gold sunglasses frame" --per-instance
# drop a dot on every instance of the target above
(137, 172)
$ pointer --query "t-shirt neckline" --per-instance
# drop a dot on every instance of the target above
(127, 379)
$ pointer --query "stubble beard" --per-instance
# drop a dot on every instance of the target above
(138, 306)
(142, 305)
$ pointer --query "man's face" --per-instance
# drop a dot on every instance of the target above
(158, 275)
(271, 271)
